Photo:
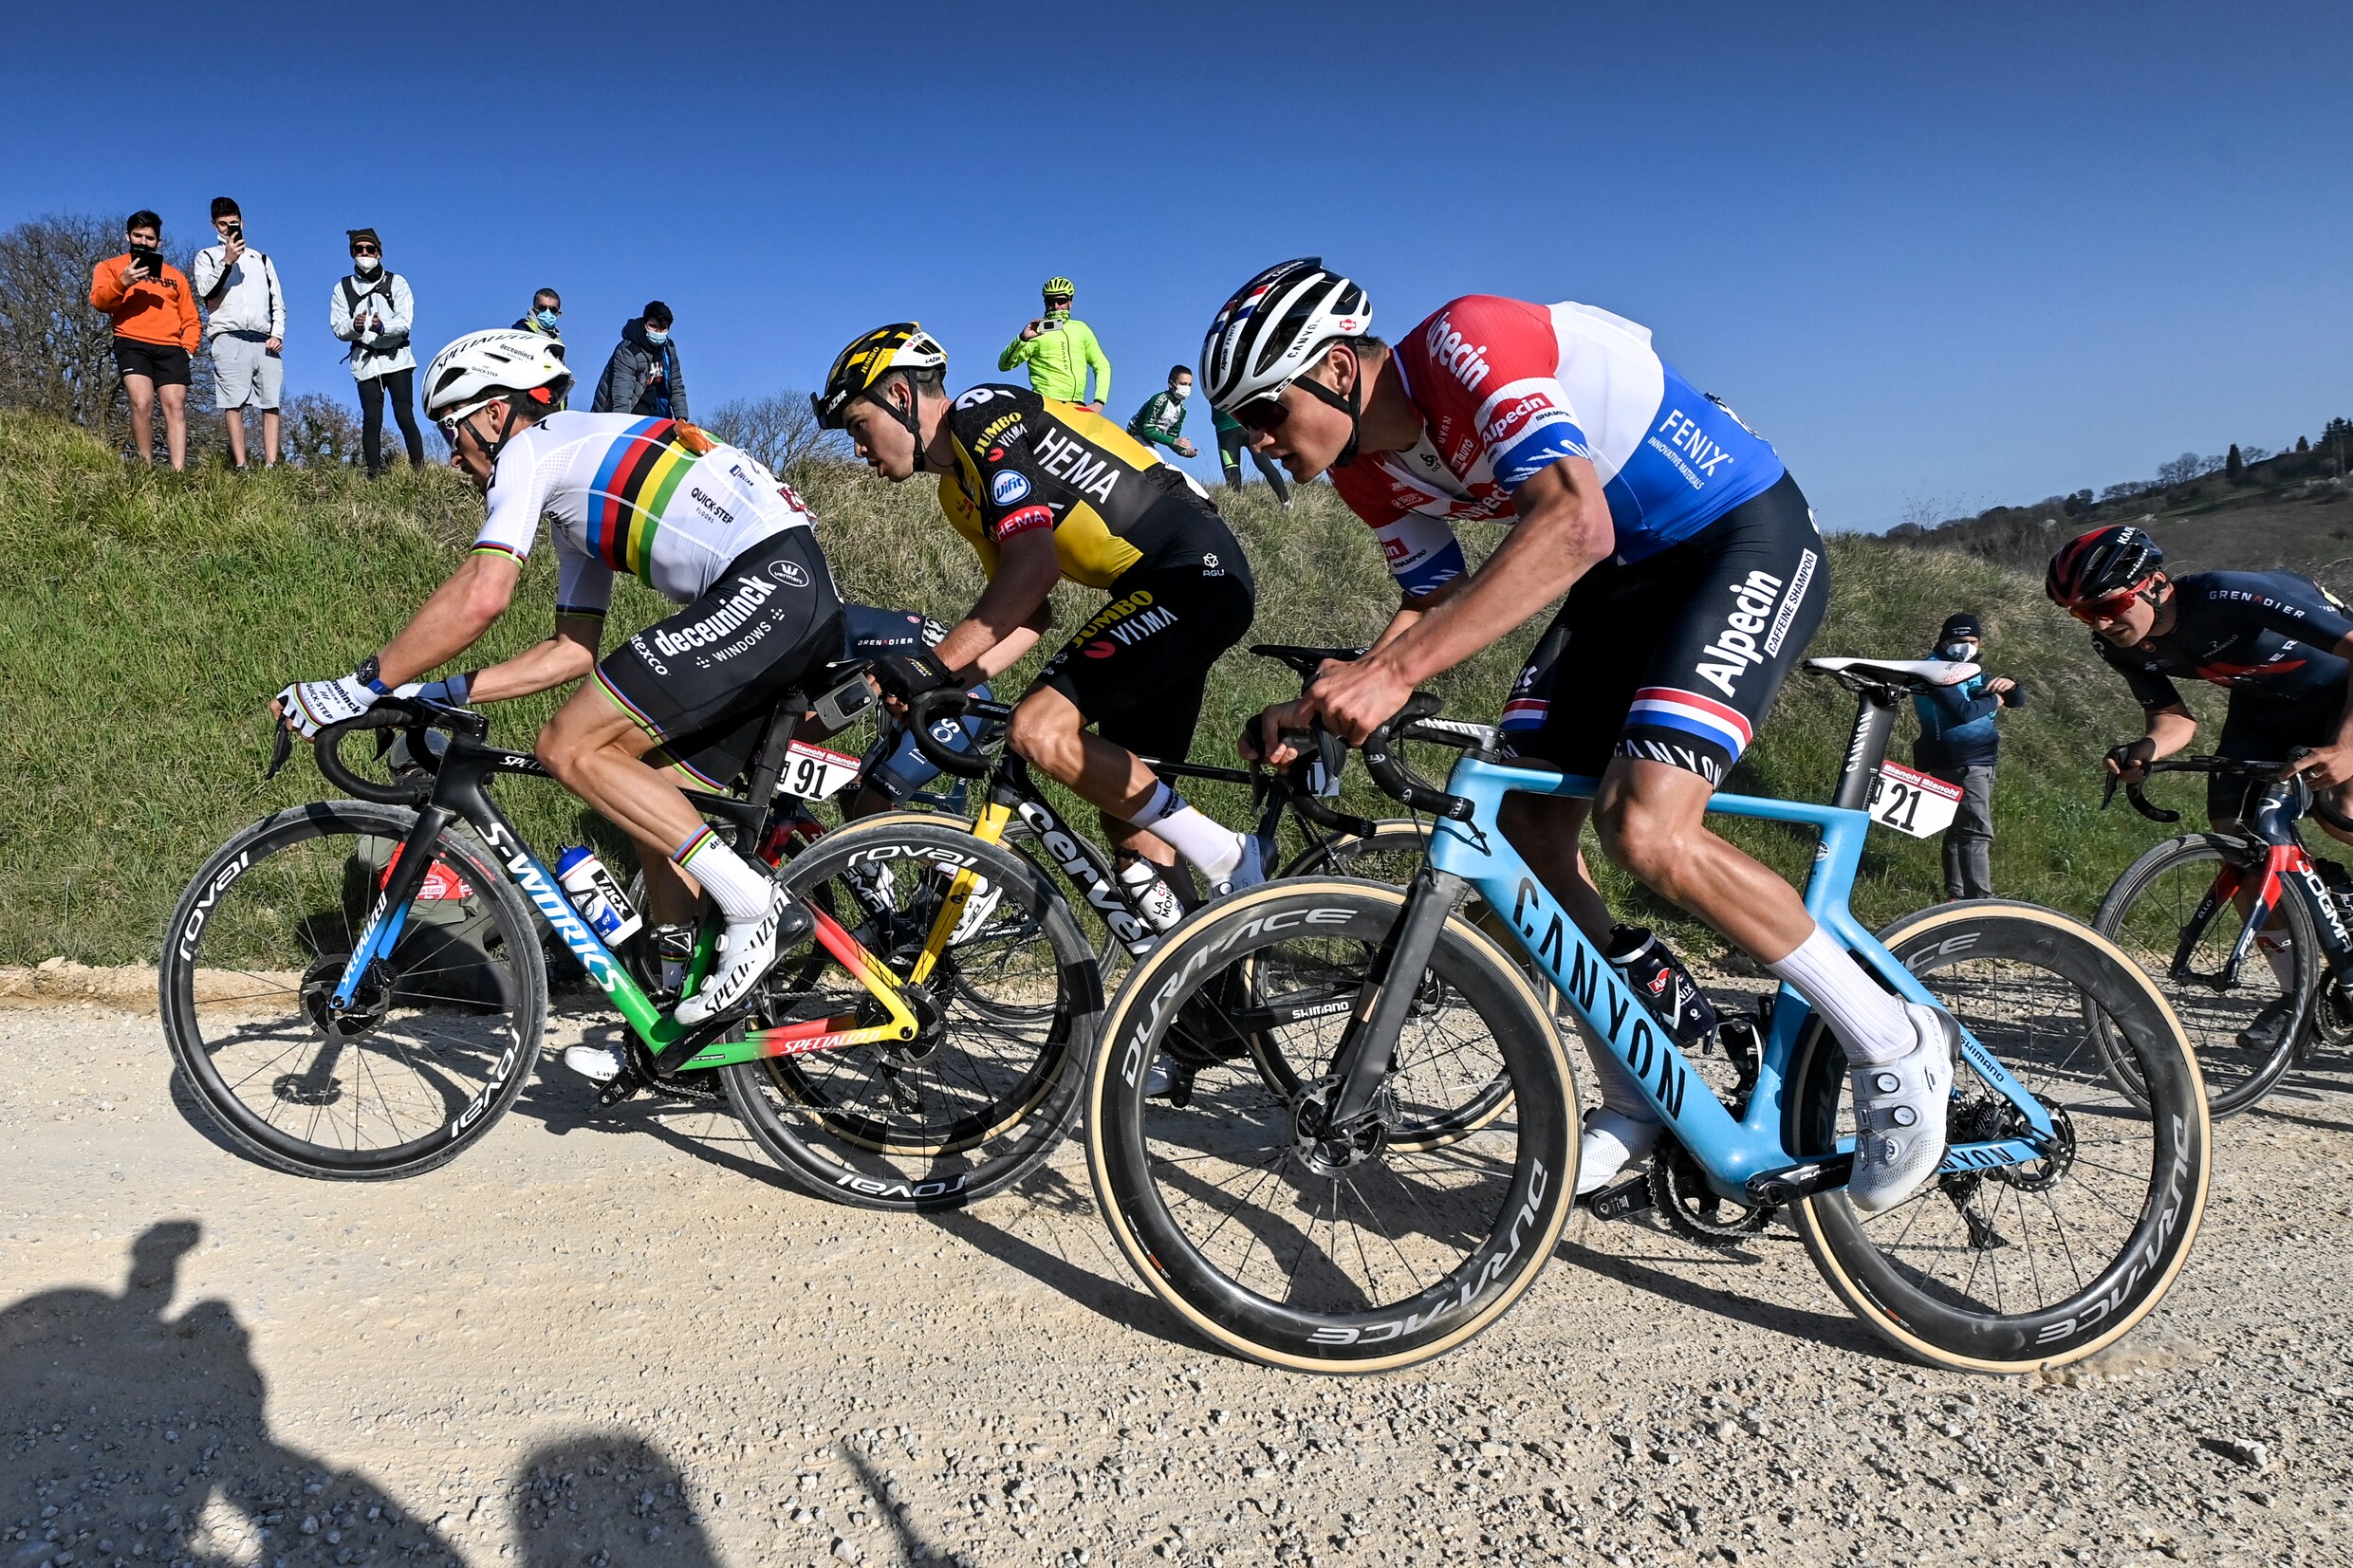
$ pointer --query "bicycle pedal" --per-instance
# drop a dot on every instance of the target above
(1621, 1199)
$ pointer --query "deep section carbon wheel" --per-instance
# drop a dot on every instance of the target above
(1284, 1237)
(437, 1043)
(2018, 1266)
(1008, 1018)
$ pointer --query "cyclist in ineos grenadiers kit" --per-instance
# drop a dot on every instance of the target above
(2277, 641)
(704, 524)
(1694, 575)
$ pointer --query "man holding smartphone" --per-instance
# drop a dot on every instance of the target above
(246, 331)
(1059, 351)
(156, 330)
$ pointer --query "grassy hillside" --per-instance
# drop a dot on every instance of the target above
(145, 618)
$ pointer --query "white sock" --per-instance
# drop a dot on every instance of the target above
(1214, 850)
(1870, 1023)
(2278, 952)
(741, 893)
(1615, 1080)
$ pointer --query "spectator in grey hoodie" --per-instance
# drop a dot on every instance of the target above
(245, 330)
(643, 377)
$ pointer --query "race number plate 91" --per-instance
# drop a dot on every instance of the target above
(1911, 801)
(814, 773)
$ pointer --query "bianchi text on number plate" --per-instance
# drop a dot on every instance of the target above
(815, 774)
(1911, 801)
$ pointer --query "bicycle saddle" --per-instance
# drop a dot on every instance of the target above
(1912, 674)
(1306, 661)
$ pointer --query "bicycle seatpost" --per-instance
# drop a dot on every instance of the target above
(1874, 719)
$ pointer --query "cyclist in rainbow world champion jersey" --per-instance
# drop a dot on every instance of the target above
(1695, 576)
(701, 523)
(1044, 490)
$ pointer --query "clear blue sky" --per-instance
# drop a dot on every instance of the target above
(1939, 254)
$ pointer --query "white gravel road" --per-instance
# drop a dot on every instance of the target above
(614, 1339)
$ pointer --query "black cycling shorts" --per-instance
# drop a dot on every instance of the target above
(1138, 669)
(2263, 732)
(704, 681)
(1676, 657)
(166, 365)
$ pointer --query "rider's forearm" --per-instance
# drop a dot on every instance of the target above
(1008, 651)
(2170, 730)
(1547, 552)
(562, 658)
(451, 621)
(1016, 600)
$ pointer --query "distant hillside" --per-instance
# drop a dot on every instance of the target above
(2243, 510)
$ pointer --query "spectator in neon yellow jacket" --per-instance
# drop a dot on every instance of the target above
(1058, 351)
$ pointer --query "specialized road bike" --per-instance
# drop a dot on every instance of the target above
(1347, 1221)
(2245, 931)
(356, 988)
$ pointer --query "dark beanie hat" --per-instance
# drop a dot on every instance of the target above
(356, 235)
(1962, 624)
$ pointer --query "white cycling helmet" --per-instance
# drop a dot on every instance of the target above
(483, 367)
(1271, 330)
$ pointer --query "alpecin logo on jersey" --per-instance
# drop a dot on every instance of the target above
(1763, 608)
(1465, 360)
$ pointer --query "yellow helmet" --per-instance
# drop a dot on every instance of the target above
(901, 345)
(1059, 289)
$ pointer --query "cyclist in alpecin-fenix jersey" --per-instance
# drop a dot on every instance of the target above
(703, 523)
(1695, 576)
(1044, 490)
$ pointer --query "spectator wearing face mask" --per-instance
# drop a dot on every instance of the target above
(546, 319)
(245, 330)
(1957, 744)
(1162, 421)
(643, 376)
(373, 311)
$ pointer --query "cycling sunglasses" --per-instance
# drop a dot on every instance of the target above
(2108, 606)
(1263, 415)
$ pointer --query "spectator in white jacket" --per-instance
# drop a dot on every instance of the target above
(243, 329)
(373, 311)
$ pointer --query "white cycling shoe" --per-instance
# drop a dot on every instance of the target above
(1899, 1114)
(1612, 1141)
(746, 951)
(596, 1063)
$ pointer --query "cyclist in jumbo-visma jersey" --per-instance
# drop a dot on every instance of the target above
(703, 523)
(1694, 578)
(1044, 490)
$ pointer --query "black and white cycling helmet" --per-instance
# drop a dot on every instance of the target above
(483, 367)
(1269, 333)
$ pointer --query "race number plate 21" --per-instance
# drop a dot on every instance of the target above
(1911, 801)
(814, 773)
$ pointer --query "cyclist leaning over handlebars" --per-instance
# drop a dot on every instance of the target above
(703, 523)
(1694, 575)
(2279, 643)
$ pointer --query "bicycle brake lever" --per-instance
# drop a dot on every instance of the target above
(2107, 796)
(280, 751)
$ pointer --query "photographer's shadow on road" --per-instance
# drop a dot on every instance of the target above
(130, 1434)
(606, 1500)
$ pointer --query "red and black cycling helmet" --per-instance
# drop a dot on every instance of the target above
(2101, 564)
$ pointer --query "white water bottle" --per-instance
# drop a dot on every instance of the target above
(596, 896)
(1151, 894)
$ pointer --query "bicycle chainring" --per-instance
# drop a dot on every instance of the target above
(1692, 1209)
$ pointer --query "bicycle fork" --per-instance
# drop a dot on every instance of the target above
(1368, 1046)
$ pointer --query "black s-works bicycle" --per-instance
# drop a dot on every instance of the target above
(356, 988)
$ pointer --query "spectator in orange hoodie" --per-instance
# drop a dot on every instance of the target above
(154, 313)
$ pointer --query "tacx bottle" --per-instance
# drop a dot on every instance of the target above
(596, 894)
(1658, 977)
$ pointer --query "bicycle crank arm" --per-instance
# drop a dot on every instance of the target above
(1622, 1199)
(1792, 1183)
